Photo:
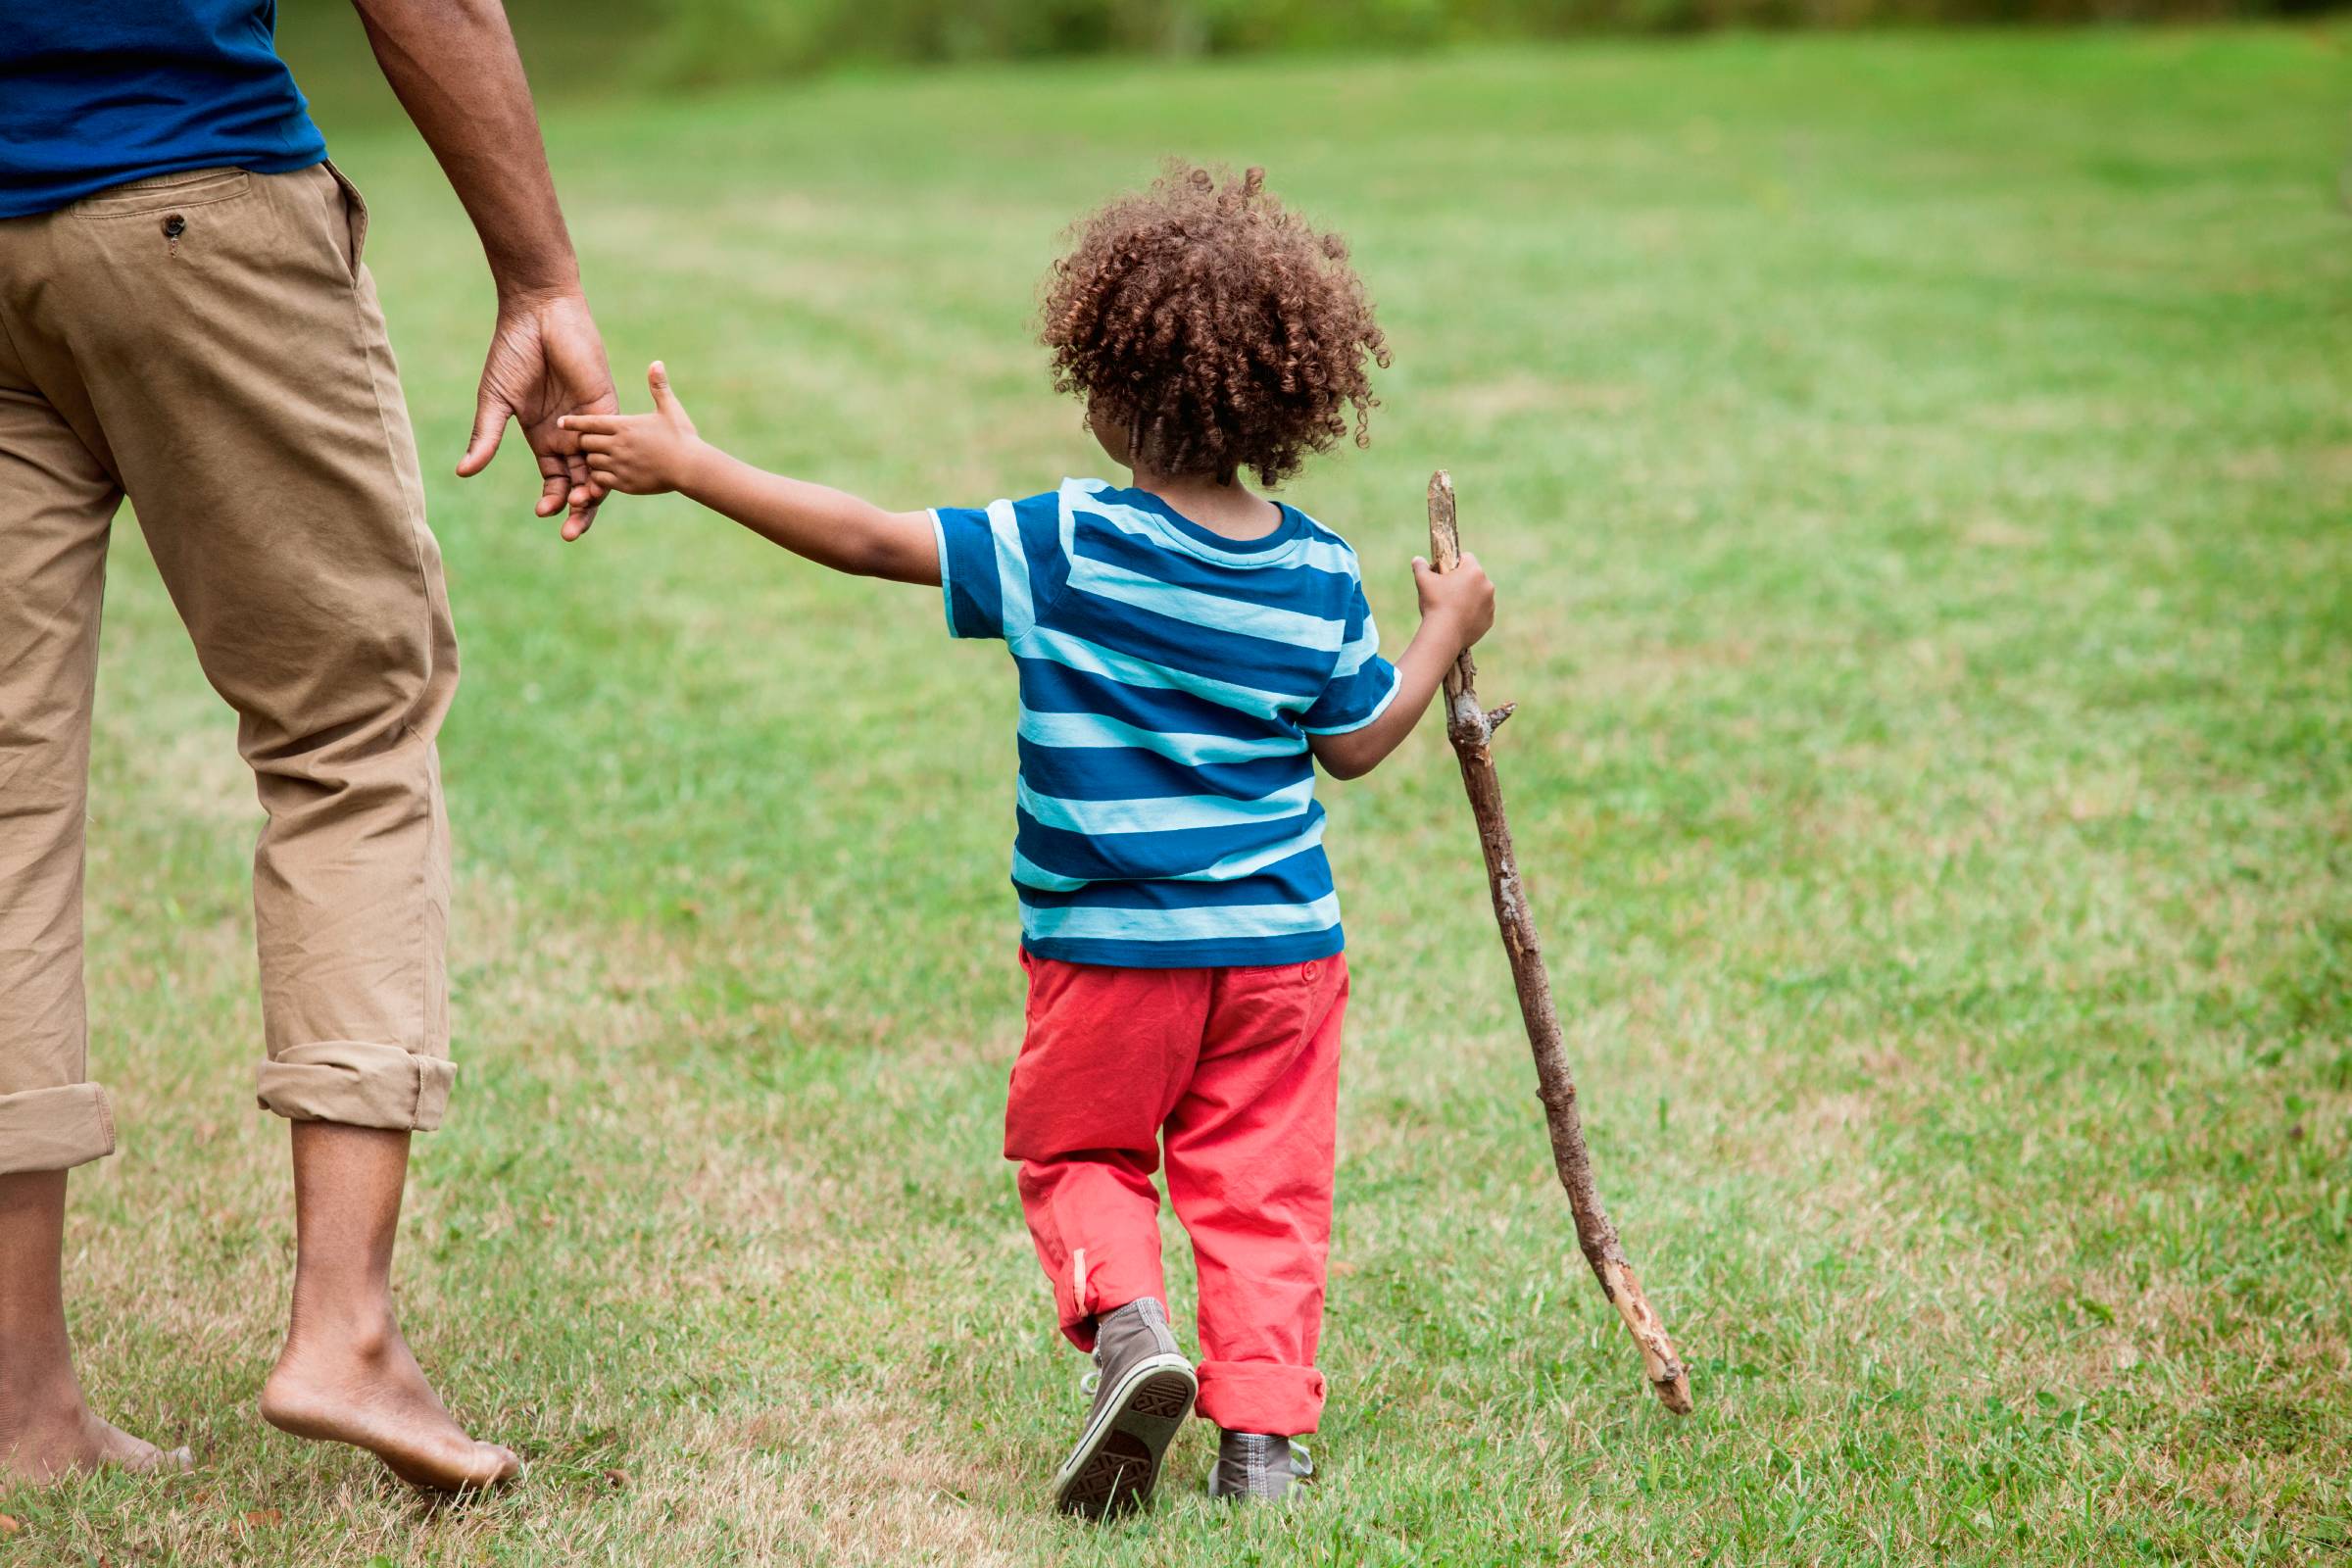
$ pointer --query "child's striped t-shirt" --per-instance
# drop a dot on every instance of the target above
(1170, 680)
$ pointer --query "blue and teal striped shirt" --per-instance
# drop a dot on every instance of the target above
(1169, 679)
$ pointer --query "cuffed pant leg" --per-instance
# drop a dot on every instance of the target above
(1250, 1148)
(55, 1129)
(359, 1083)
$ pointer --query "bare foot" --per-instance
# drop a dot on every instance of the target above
(44, 1450)
(366, 1389)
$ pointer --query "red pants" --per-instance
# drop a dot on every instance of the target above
(1238, 1071)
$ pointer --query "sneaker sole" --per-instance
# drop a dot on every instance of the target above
(1116, 1463)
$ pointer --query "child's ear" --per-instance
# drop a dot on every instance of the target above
(1110, 435)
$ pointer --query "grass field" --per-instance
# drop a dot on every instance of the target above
(1917, 474)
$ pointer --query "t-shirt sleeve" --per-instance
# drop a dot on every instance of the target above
(998, 563)
(1362, 684)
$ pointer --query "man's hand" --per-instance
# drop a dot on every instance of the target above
(545, 361)
(456, 72)
(639, 454)
(1461, 600)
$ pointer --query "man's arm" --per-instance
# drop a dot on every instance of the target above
(454, 67)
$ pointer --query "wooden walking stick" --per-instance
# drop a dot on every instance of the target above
(1471, 728)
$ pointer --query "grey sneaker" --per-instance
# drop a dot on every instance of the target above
(1142, 1388)
(1258, 1468)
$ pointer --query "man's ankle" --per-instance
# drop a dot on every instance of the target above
(35, 1401)
(358, 1327)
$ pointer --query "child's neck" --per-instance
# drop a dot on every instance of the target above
(1224, 506)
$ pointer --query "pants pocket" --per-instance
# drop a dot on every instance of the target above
(163, 194)
(355, 219)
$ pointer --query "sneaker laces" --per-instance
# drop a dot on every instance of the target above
(1090, 1383)
(1302, 1463)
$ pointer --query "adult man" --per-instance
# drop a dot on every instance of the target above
(185, 318)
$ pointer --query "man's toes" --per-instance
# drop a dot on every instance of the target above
(137, 1455)
(464, 1466)
(484, 1465)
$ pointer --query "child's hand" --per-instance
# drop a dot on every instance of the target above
(640, 454)
(1463, 599)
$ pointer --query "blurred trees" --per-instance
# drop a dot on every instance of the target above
(672, 42)
(718, 38)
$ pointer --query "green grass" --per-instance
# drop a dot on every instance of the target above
(1916, 473)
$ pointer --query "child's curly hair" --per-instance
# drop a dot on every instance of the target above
(1218, 329)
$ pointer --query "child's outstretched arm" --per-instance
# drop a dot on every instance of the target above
(1457, 607)
(647, 454)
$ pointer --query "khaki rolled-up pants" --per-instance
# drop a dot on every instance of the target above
(209, 345)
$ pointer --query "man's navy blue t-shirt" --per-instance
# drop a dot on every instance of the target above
(96, 92)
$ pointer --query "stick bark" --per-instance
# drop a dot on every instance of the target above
(1471, 727)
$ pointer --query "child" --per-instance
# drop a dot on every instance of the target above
(1183, 647)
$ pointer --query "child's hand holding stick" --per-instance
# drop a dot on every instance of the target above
(1470, 727)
